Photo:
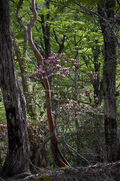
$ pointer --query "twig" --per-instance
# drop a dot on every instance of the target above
(77, 153)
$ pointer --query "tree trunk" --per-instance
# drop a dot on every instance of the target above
(46, 31)
(60, 160)
(109, 80)
(17, 159)
(23, 68)
(21, 58)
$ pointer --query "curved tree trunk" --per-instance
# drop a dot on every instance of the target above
(106, 14)
(17, 159)
(60, 160)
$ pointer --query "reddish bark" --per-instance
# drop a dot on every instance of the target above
(60, 160)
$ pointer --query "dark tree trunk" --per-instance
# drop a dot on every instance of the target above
(46, 31)
(109, 80)
(17, 159)
(96, 83)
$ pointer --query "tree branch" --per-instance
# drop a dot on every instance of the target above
(20, 21)
(118, 2)
(29, 31)
(77, 153)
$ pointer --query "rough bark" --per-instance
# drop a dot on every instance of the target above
(96, 83)
(17, 159)
(109, 79)
(60, 160)
(21, 58)
(23, 68)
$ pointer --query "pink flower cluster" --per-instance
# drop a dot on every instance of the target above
(54, 66)
(95, 75)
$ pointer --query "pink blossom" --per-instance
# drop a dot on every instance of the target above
(56, 54)
(91, 72)
(74, 60)
(36, 78)
(51, 57)
(75, 63)
(57, 65)
(96, 98)
(65, 61)
(41, 136)
(41, 120)
(4, 134)
(84, 93)
(84, 114)
(81, 125)
(65, 68)
(63, 75)
(51, 90)
(63, 54)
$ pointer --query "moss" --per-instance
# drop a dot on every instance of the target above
(43, 178)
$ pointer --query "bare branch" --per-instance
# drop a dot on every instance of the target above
(20, 21)
(77, 153)
(29, 31)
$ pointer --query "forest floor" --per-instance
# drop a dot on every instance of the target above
(98, 172)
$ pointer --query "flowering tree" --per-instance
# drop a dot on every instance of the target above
(61, 161)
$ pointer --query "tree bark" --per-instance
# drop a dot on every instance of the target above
(60, 160)
(46, 31)
(17, 159)
(106, 14)
(21, 58)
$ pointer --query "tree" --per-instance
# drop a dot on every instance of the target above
(60, 160)
(106, 16)
(17, 159)
(22, 60)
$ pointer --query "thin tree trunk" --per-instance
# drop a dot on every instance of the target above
(60, 160)
(17, 159)
(21, 58)
(109, 80)
(23, 68)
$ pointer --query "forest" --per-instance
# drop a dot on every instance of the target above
(59, 90)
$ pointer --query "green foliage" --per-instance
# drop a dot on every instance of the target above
(77, 21)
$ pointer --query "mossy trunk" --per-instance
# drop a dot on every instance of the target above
(17, 159)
